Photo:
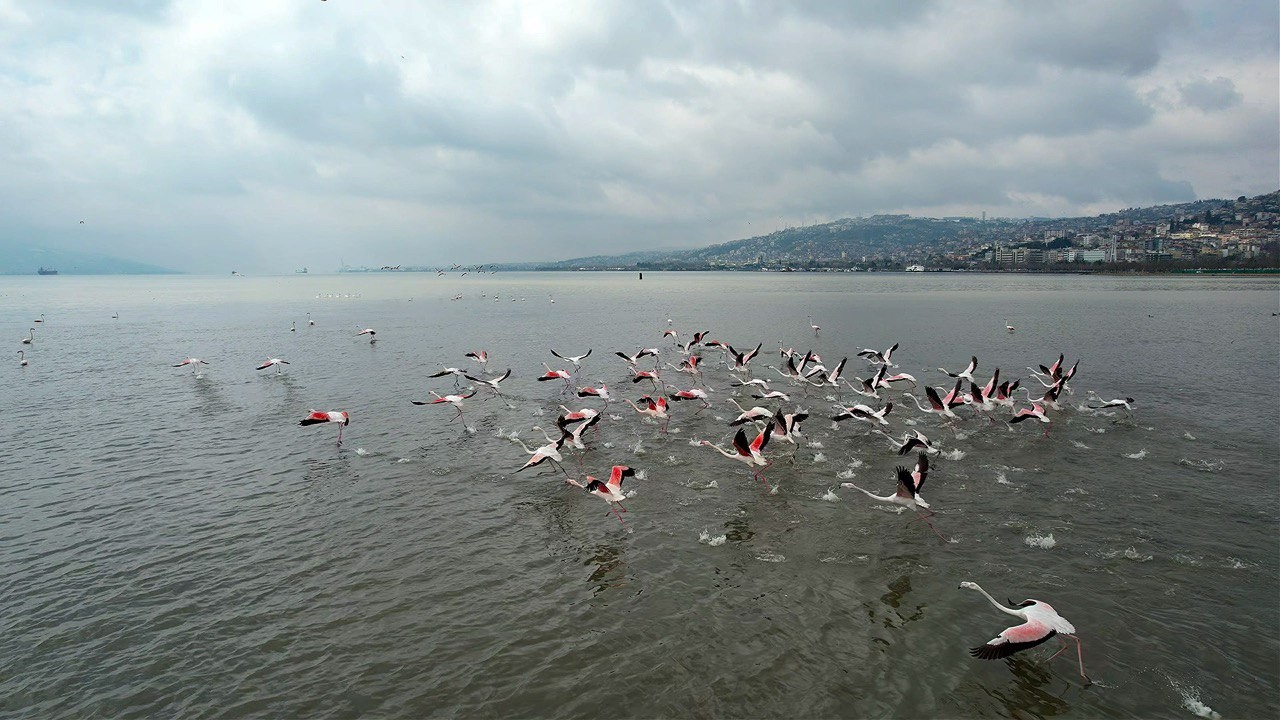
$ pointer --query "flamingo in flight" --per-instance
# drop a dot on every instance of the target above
(654, 408)
(544, 453)
(491, 383)
(22, 358)
(575, 359)
(1126, 403)
(910, 441)
(1035, 411)
(454, 400)
(373, 335)
(455, 372)
(601, 392)
(633, 359)
(555, 375)
(480, 356)
(967, 373)
(1040, 622)
(611, 490)
(273, 362)
(864, 413)
(315, 417)
(936, 405)
(908, 493)
(749, 415)
(875, 357)
(693, 394)
(787, 425)
(772, 395)
(749, 453)
(742, 359)
(195, 364)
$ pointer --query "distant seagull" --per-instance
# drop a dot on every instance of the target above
(1041, 623)
(315, 417)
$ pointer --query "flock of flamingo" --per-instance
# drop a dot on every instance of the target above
(685, 382)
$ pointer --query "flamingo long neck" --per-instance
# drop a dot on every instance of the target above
(873, 496)
(1001, 608)
(917, 401)
(722, 451)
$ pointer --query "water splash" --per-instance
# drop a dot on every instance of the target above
(831, 496)
(1080, 445)
(819, 458)
(1203, 465)
(361, 452)
(1188, 436)
(1044, 542)
(771, 557)
(846, 474)
(1002, 478)
(673, 460)
(1138, 455)
(1128, 553)
(955, 454)
(855, 463)
(707, 538)
(694, 442)
(1191, 700)
(815, 445)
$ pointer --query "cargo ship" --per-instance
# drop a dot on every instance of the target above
(46, 271)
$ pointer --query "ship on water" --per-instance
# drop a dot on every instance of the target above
(302, 271)
(46, 271)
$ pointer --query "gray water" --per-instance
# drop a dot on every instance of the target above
(174, 544)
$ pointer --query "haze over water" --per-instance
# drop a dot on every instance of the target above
(178, 545)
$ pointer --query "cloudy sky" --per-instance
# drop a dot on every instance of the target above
(265, 135)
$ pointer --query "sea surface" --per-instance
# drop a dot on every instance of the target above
(174, 544)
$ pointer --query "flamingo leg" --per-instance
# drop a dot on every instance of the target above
(1080, 658)
(339, 434)
(925, 518)
(615, 514)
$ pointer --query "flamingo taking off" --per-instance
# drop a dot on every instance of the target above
(1035, 411)
(611, 490)
(454, 400)
(373, 335)
(315, 417)
(273, 362)
(748, 452)
(654, 408)
(967, 373)
(908, 493)
(575, 359)
(195, 364)
(1040, 623)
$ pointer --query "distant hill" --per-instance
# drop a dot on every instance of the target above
(26, 260)
(883, 236)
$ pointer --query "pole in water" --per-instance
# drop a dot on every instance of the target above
(641, 276)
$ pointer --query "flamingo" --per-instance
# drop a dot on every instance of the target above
(39, 319)
(656, 409)
(755, 413)
(875, 357)
(741, 359)
(864, 413)
(575, 359)
(454, 400)
(315, 417)
(30, 338)
(293, 326)
(601, 392)
(1040, 623)
(611, 490)
(787, 425)
(1007, 326)
(748, 452)
(908, 493)
(555, 375)
(633, 359)
(310, 322)
(544, 453)
(772, 395)
(693, 394)
(491, 383)
(273, 362)
(758, 382)
(967, 373)
(910, 441)
(814, 325)
(936, 405)
(480, 356)
(455, 372)
(22, 358)
(830, 377)
(581, 421)
(371, 333)
(1035, 411)
(195, 364)
(886, 381)
(1126, 403)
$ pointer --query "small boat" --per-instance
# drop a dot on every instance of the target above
(303, 271)
(46, 271)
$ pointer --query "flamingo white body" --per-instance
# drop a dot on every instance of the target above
(967, 373)
(454, 400)
(611, 490)
(742, 359)
(875, 357)
(22, 358)
(1007, 326)
(748, 415)
(935, 404)
(555, 375)
(1036, 411)
(39, 319)
(910, 441)
(316, 417)
(310, 322)
(601, 392)
(692, 394)
(30, 338)
(772, 395)
(1040, 623)
(653, 408)
(491, 383)
(786, 426)
(1126, 403)
(544, 453)
(907, 495)
(480, 356)
(373, 335)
